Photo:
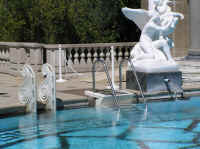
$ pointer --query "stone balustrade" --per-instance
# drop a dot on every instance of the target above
(78, 57)
(13, 55)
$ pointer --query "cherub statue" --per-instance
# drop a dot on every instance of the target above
(156, 24)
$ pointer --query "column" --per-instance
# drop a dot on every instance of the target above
(194, 48)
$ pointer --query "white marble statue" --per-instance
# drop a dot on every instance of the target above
(152, 52)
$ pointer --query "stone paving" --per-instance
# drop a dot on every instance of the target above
(72, 91)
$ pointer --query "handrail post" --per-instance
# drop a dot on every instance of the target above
(60, 79)
(93, 76)
(116, 102)
(134, 73)
(138, 83)
(120, 74)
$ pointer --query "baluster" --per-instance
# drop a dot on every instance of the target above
(69, 59)
(83, 56)
(4, 59)
(3, 54)
(0, 60)
(95, 55)
(76, 56)
(7, 60)
(28, 59)
(0, 54)
(68, 56)
(7, 54)
(126, 52)
(48, 56)
(53, 56)
(120, 54)
(101, 54)
(89, 56)
(107, 55)
(115, 54)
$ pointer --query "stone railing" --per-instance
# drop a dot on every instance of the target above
(77, 57)
(81, 56)
(14, 55)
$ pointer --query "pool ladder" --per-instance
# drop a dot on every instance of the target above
(136, 77)
(116, 101)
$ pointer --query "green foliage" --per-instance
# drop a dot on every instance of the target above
(9, 25)
(93, 20)
(66, 21)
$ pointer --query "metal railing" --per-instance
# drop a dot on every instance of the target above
(116, 102)
(134, 73)
(137, 80)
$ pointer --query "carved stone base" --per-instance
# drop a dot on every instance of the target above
(153, 82)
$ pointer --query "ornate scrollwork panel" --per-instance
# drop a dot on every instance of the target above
(27, 91)
(47, 87)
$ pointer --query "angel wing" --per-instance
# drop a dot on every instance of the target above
(139, 16)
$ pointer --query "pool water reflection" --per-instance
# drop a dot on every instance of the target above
(168, 125)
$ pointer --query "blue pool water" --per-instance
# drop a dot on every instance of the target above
(167, 125)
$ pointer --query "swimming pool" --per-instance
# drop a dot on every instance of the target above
(167, 125)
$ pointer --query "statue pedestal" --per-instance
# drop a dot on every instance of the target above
(153, 82)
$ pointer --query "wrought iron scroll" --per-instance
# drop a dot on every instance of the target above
(47, 89)
(28, 91)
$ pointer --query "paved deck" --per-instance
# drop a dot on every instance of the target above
(72, 91)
